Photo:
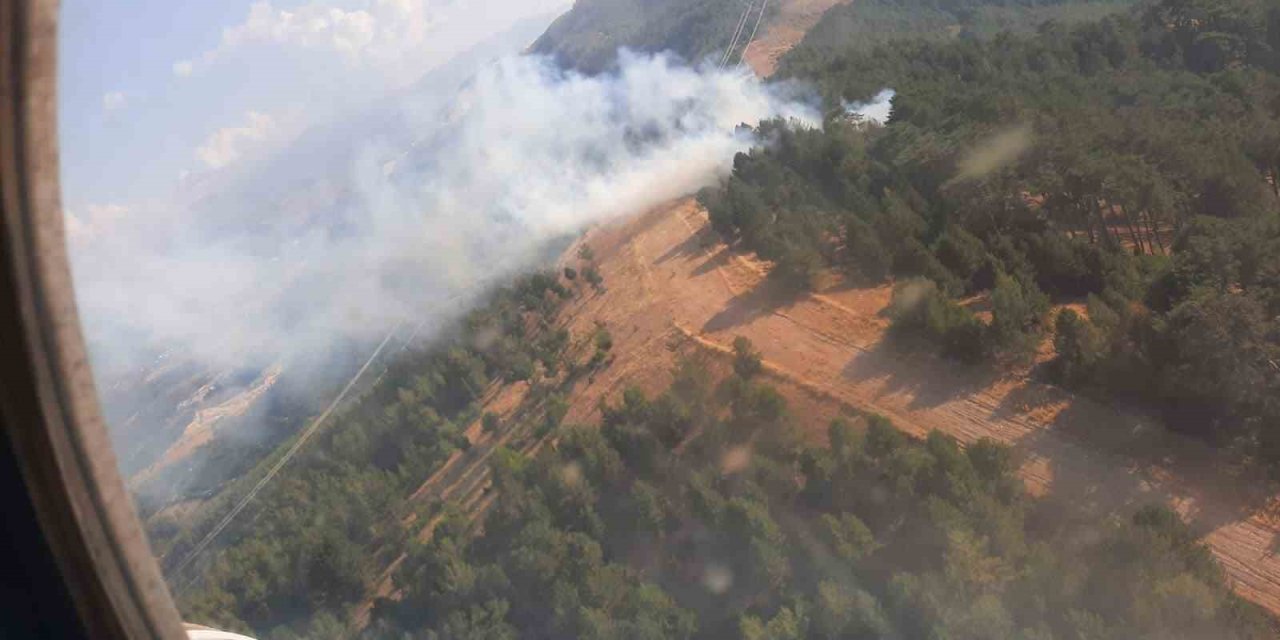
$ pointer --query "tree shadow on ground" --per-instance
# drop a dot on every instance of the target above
(693, 246)
(1102, 460)
(847, 284)
(930, 381)
(1094, 459)
(763, 299)
(720, 259)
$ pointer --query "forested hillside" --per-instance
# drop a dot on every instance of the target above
(588, 37)
(1127, 165)
(1107, 183)
(868, 23)
(312, 539)
(700, 514)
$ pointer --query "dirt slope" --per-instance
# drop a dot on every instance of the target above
(671, 286)
(638, 311)
(201, 430)
(784, 31)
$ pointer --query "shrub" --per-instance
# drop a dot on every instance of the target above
(1079, 346)
(964, 255)
(490, 422)
(593, 277)
(747, 362)
(867, 256)
(920, 310)
(914, 259)
(604, 339)
(797, 265)
(1017, 310)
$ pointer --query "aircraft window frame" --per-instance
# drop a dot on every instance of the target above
(48, 402)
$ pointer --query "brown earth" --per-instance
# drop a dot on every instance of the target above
(671, 283)
(204, 425)
(672, 288)
(784, 31)
(646, 346)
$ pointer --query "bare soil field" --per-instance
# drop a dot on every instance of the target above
(784, 31)
(671, 286)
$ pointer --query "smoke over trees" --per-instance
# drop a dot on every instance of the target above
(1075, 163)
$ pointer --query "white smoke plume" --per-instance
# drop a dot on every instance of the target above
(878, 109)
(315, 249)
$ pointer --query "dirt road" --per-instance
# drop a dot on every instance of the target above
(667, 275)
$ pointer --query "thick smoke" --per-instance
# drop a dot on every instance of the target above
(878, 109)
(406, 221)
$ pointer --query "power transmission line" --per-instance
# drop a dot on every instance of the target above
(320, 420)
(315, 425)
(760, 18)
(737, 35)
(293, 450)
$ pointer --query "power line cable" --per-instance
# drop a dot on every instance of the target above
(293, 450)
(760, 18)
(319, 421)
(737, 35)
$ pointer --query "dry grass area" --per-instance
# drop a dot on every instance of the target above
(673, 288)
(784, 31)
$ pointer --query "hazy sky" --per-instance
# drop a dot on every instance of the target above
(156, 91)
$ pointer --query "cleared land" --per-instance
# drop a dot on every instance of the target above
(672, 285)
(673, 288)
(784, 31)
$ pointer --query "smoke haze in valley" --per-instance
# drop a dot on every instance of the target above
(526, 153)
(304, 233)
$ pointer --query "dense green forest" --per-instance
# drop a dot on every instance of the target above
(1125, 160)
(867, 23)
(310, 541)
(588, 37)
(1128, 164)
(702, 514)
